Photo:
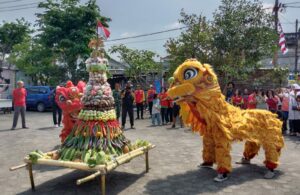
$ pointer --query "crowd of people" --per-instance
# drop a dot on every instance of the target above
(162, 110)
(285, 102)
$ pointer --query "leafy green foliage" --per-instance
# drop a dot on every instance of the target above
(239, 36)
(195, 42)
(38, 62)
(276, 76)
(243, 36)
(66, 28)
(141, 62)
(12, 33)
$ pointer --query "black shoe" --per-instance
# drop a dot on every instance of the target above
(173, 126)
(13, 128)
(132, 127)
(142, 118)
(25, 127)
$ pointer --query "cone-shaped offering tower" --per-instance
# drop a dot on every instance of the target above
(96, 136)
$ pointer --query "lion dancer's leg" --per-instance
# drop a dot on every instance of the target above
(223, 158)
(250, 151)
(208, 153)
(67, 122)
(272, 153)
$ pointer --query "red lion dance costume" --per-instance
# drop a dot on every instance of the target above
(68, 99)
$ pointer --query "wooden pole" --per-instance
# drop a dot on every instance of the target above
(126, 157)
(29, 165)
(147, 161)
(88, 178)
(102, 183)
(68, 164)
(17, 167)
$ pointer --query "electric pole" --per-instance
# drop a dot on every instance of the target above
(275, 10)
(296, 48)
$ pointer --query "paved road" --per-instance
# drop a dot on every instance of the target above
(173, 165)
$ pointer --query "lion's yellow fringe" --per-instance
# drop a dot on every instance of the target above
(225, 123)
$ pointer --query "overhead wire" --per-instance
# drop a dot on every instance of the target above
(15, 9)
(295, 2)
(20, 5)
(6, 2)
(142, 41)
(148, 34)
(292, 6)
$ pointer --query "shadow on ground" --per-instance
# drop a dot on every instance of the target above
(115, 183)
(46, 128)
(294, 139)
(17, 129)
(201, 181)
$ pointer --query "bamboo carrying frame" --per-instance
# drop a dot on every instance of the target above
(100, 170)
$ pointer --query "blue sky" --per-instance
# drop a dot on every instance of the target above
(134, 17)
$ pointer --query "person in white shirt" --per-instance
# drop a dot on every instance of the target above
(292, 112)
(156, 110)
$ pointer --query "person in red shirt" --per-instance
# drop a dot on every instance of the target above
(272, 101)
(139, 97)
(163, 97)
(150, 95)
(285, 108)
(252, 100)
(245, 98)
(19, 99)
(237, 99)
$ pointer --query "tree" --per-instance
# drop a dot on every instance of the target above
(66, 28)
(243, 36)
(195, 42)
(12, 33)
(141, 62)
(37, 62)
(239, 36)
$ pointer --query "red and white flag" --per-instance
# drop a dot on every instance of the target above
(102, 31)
(282, 40)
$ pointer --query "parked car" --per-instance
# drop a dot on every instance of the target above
(38, 97)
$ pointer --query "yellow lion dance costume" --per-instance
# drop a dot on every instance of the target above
(204, 109)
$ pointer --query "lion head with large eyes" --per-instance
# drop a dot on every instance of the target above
(193, 80)
(68, 99)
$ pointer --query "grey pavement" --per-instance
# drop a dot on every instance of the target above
(173, 164)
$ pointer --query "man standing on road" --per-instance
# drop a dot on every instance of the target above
(139, 96)
(150, 95)
(127, 106)
(117, 98)
(56, 111)
(19, 99)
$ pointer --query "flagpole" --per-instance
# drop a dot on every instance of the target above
(275, 9)
(296, 49)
